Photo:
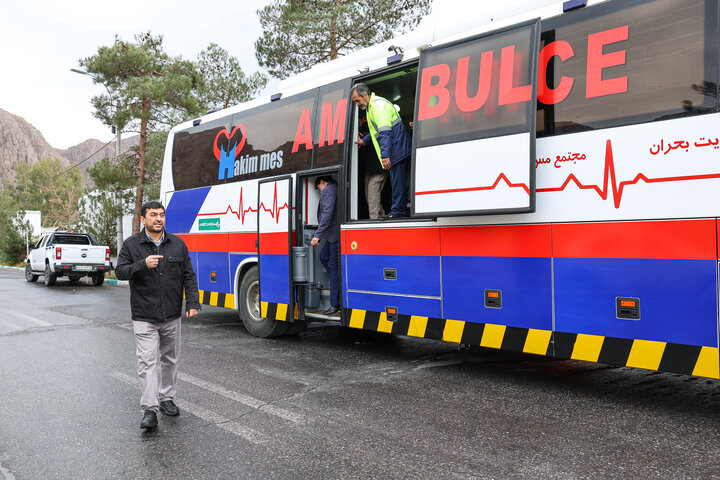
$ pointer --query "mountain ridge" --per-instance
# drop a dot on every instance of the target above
(20, 142)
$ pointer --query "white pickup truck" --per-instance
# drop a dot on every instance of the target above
(74, 255)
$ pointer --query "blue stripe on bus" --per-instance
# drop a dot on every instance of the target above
(525, 284)
(183, 208)
(213, 262)
(424, 307)
(275, 279)
(416, 275)
(677, 298)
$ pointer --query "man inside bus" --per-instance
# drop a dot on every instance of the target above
(391, 142)
(375, 175)
(328, 229)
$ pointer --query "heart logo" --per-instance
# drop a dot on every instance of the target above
(218, 148)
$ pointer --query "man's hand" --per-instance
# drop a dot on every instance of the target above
(315, 241)
(152, 260)
(386, 163)
(360, 140)
(191, 312)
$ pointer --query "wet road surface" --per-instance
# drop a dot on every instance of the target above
(329, 403)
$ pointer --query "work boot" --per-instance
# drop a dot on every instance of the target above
(168, 407)
(149, 420)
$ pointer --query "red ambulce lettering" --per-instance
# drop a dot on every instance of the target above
(550, 96)
(429, 89)
(470, 104)
(435, 79)
(597, 61)
(333, 127)
(303, 134)
(508, 66)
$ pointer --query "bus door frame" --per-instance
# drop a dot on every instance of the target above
(276, 210)
(484, 139)
(302, 182)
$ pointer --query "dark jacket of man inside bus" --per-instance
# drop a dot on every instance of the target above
(328, 229)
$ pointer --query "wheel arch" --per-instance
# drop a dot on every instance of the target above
(240, 272)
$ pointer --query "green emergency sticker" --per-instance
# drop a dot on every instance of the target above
(209, 224)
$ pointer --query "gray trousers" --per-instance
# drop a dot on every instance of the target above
(151, 339)
(374, 184)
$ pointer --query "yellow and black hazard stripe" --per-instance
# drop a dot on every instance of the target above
(217, 299)
(647, 354)
(650, 355)
(277, 311)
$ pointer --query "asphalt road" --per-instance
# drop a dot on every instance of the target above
(330, 403)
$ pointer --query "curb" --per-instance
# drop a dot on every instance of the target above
(109, 281)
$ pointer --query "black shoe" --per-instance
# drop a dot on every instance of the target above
(331, 311)
(168, 407)
(392, 217)
(149, 420)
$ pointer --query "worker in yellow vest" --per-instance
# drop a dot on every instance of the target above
(391, 141)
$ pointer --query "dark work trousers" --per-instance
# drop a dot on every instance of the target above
(399, 195)
(329, 259)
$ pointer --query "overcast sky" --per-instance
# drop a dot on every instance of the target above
(41, 40)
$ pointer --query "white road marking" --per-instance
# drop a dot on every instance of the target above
(225, 423)
(244, 399)
(34, 320)
(12, 326)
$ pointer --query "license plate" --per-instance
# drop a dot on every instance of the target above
(84, 268)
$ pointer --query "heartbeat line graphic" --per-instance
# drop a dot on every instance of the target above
(241, 212)
(608, 179)
(275, 210)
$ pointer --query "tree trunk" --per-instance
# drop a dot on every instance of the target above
(141, 165)
(333, 35)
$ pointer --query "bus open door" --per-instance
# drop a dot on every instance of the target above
(275, 240)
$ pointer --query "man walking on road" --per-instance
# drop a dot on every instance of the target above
(391, 141)
(157, 264)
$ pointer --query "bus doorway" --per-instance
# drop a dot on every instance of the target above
(311, 278)
(370, 180)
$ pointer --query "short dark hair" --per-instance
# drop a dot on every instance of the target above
(150, 206)
(361, 89)
(321, 178)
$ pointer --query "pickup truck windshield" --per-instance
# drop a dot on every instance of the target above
(72, 240)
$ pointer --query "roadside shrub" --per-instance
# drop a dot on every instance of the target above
(12, 244)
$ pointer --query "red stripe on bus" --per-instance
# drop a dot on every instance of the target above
(497, 241)
(274, 243)
(391, 241)
(676, 239)
(242, 242)
(206, 242)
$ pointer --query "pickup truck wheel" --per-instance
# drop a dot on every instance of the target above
(50, 277)
(29, 276)
(98, 278)
(249, 308)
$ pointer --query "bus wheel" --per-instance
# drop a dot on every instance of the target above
(249, 308)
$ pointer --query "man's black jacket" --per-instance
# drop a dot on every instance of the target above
(156, 295)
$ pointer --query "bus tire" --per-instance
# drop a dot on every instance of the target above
(249, 308)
